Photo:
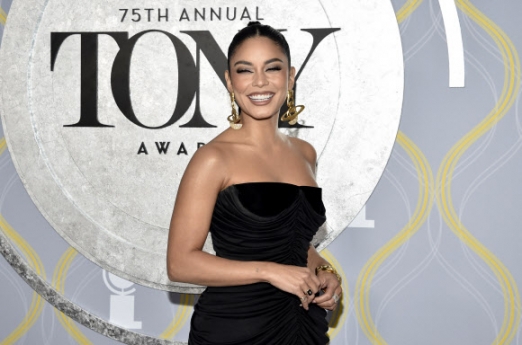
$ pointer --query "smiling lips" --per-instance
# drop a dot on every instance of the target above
(260, 97)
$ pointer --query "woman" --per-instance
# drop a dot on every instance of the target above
(254, 188)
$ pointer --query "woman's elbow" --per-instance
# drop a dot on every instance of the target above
(178, 269)
(172, 274)
(174, 269)
(181, 264)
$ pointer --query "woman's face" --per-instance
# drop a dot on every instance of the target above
(259, 76)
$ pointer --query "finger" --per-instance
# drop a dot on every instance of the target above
(327, 305)
(309, 290)
(330, 304)
(323, 298)
(317, 282)
(323, 283)
(328, 295)
(304, 301)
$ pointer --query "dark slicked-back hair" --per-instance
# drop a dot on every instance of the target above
(256, 29)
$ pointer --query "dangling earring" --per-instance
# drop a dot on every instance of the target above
(233, 119)
(293, 111)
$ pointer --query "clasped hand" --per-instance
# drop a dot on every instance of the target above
(300, 280)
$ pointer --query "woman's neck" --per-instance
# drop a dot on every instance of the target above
(262, 133)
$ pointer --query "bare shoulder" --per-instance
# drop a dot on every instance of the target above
(207, 166)
(208, 155)
(214, 162)
(306, 149)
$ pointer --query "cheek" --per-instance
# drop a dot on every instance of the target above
(282, 101)
(241, 82)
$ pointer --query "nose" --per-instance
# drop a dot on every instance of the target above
(259, 79)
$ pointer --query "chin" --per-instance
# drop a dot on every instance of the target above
(262, 117)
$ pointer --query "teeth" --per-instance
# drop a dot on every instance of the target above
(260, 97)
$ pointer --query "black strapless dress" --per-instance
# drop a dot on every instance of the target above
(261, 221)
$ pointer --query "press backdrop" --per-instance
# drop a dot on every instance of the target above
(433, 258)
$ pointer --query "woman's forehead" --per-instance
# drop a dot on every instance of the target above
(258, 48)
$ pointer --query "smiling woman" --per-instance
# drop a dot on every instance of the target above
(260, 81)
(254, 189)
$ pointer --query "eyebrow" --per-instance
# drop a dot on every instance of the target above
(243, 62)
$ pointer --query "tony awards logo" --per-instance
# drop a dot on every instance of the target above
(121, 310)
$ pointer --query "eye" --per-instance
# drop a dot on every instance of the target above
(275, 68)
(242, 70)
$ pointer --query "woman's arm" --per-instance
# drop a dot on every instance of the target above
(329, 282)
(314, 259)
(197, 193)
(204, 177)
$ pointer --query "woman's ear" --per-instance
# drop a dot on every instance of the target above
(291, 78)
(229, 82)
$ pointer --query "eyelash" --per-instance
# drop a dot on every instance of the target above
(277, 68)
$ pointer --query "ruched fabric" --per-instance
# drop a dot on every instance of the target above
(261, 221)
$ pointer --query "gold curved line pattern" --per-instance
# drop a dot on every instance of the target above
(424, 204)
(362, 308)
(3, 16)
(180, 318)
(445, 174)
(34, 261)
(338, 317)
(407, 9)
(37, 303)
(34, 312)
(3, 146)
(59, 275)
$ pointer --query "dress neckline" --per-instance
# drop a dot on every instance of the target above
(233, 189)
(268, 183)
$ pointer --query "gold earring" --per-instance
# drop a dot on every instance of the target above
(293, 111)
(234, 119)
